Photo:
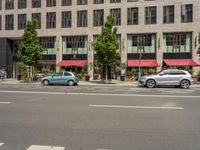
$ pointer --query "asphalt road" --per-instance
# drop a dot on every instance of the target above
(33, 117)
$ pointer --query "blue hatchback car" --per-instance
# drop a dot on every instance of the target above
(64, 77)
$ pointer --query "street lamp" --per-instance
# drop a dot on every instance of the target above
(140, 57)
(140, 48)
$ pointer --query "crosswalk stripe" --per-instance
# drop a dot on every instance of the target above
(42, 147)
(1, 144)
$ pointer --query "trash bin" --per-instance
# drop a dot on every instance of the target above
(122, 78)
(87, 78)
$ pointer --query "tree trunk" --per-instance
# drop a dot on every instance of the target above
(106, 74)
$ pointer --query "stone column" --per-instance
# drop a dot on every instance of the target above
(124, 48)
(90, 57)
(195, 56)
(58, 51)
(159, 50)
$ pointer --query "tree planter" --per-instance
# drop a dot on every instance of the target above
(122, 78)
(19, 77)
(87, 78)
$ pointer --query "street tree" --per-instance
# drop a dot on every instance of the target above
(198, 51)
(106, 45)
(30, 50)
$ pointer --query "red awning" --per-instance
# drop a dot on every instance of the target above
(143, 63)
(180, 62)
(67, 63)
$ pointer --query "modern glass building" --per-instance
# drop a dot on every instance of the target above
(151, 33)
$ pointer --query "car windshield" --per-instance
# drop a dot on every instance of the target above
(160, 72)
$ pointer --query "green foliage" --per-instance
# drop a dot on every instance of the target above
(106, 44)
(21, 69)
(190, 71)
(85, 68)
(30, 49)
(151, 71)
(198, 76)
(123, 65)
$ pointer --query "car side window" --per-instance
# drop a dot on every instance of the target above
(67, 74)
(177, 73)
(167, 72)
(59, 74)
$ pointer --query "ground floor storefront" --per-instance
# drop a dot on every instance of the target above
(149, 53)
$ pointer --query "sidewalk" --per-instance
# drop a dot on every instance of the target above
(91, 83)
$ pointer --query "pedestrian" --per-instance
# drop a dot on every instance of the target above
(1, 74)
(4, 74)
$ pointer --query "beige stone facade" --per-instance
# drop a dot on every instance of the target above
(123, 29)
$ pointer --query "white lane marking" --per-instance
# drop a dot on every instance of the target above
(99, 94)
(33, 92)
(5, 102)
(136, 107)
(102, 149)
(133, 95)
(41, 147)
(1, 144)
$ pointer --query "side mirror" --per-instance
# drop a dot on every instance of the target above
(161, 74)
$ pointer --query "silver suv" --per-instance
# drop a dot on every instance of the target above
(167, 77)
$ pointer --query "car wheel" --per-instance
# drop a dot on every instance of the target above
(185, 84)
(151, 83)
(70, 83)
(46, 82)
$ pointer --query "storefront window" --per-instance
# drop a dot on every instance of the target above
(49, 45)
(177, 42)
(75, 45)
(142, 43)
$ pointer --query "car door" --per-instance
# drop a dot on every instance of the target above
(163, 77)
(66, 77)
(175, 77)
(57, 78)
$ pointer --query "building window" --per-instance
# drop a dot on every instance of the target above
(82, 2)
(9, 24)
(37, 17)
(132, 16)
(117, 15)
(0, 4)
(9, 4)
(36, 3)
(168, 14)
(187, 13)
(0, 23)
(66, 2)
(98, 1)
(142, 43)
(51, 20)
(66, 19)
(51, 3)
(177, 42)
(115, 1)
(49, 45)
(150, 15)
(82, 18)
(21, 21)
(22, 4)
(75, 45)
(98, 17)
